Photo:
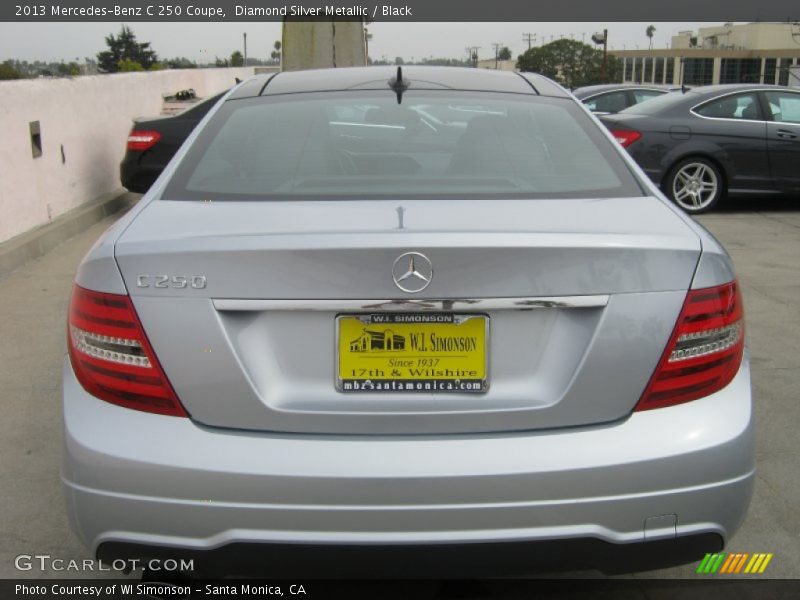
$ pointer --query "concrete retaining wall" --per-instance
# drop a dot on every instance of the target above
(322, 45)
(84, 123)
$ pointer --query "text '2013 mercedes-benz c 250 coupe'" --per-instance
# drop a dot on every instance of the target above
(423, 311)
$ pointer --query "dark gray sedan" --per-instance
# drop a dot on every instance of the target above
(611, 98)
(700, 144)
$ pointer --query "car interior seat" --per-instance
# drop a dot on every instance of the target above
(499, 145)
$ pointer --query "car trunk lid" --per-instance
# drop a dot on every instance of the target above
(241, 307)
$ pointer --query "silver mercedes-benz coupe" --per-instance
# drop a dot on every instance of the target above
(427, 311)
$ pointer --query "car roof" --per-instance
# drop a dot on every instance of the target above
(589, 90)
(419, 77)
(726, 88)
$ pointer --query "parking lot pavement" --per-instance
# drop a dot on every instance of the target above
(33, 305)
(763, 236)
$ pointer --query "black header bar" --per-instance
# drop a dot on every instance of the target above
(409, 10)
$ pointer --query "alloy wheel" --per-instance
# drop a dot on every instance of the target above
(695, 186)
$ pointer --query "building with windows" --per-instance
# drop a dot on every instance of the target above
(377, 340)
(746, 53)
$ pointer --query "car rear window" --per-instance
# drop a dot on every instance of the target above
(432, 145)
(611, 102)
(655, 105)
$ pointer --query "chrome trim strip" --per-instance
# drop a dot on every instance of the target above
(447, 304)
(745, 91)
(626, 88)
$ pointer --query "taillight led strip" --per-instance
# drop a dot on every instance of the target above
(140, 141)
(114, 349)
(111, 356)
(705, 350)
(626, 136)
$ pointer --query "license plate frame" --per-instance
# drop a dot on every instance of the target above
(465, 372)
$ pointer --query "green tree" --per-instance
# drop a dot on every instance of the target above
(125, 47)
(651, 29)
(70, 69)
(180, 62)
(237, 60)
(504, 53)
(7, 71)
(570, 62)
(446, 62)
(276, 53)
(614, 69)
(126, 65)
(399, 60)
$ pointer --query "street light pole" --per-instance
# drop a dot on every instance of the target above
(244, 64)
(603, 39)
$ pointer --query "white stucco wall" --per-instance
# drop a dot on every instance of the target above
(500, 65)
(90, 117)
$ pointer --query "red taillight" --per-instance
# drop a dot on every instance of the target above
(111, 356)
(625, 136)
(705, 350)
(142, 140)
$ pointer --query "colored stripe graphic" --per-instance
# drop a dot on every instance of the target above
(701, 568)
(711, 562)
(734, 563)
(740, 564)
(755, 563)
(726, 566)
(717, 563)
(764, 564)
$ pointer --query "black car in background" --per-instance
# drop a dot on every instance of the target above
(703, 143)
(611, 98)
(153, 142)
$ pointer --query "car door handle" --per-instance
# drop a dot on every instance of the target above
(787, 135)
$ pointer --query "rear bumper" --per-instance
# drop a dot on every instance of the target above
(136, 482)
(136, 177)
(456, 561)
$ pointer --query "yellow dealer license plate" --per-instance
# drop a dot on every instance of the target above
(412, 352)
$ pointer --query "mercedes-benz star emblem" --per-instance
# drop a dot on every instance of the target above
(412, 272)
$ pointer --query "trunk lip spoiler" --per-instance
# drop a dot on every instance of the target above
(412, 304)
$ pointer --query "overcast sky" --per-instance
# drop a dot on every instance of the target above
(204, 41)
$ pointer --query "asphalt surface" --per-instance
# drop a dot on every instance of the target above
(762, 235)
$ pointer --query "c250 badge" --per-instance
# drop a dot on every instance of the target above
(196, 282)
